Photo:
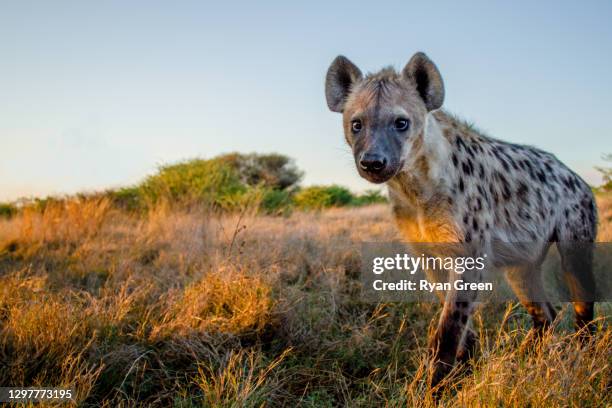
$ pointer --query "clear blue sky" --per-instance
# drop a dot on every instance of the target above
(96, 94)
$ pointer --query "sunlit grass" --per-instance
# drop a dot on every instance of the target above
(187, 308)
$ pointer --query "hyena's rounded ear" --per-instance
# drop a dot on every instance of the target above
(427, 79)
(341, 76)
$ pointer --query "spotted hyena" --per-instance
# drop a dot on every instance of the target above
(449, 183)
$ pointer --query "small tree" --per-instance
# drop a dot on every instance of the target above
(272, 170)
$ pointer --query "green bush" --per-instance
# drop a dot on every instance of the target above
(7, 210)
(369, 197)
(318, 197)
(213, 182)
(228, 182)
(276, 201)
(127, 198)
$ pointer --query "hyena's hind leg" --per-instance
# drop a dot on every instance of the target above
(577, 263)
(526, 282)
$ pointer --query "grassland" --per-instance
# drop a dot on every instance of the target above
(185, 307)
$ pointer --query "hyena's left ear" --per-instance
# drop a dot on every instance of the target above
(427, 79)
(341, 75)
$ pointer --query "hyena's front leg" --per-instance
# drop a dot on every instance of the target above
(466, 347)
(453, 330)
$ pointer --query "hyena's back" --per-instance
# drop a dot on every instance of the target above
(515, 193)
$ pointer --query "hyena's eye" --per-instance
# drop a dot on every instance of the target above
(356, 126)
(401, 124)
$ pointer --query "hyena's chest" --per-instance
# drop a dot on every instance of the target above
(427, 225)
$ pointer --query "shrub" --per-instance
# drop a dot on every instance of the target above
(212, 182)
(276, 201)
(127, 198)
(227, 182)
(7, 210)
(273, 170)
(369, 197)
(318, 197)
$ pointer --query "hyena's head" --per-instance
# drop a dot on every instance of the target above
(384, 113)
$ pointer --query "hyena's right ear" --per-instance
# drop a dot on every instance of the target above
(341, 75)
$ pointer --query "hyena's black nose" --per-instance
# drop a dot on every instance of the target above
(372, 162)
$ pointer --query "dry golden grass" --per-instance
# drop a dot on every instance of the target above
(226, 301)
(181, 307)
(604, 205)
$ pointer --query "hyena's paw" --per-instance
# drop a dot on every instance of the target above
(438, 373)
(441, 364)
(469, 347)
